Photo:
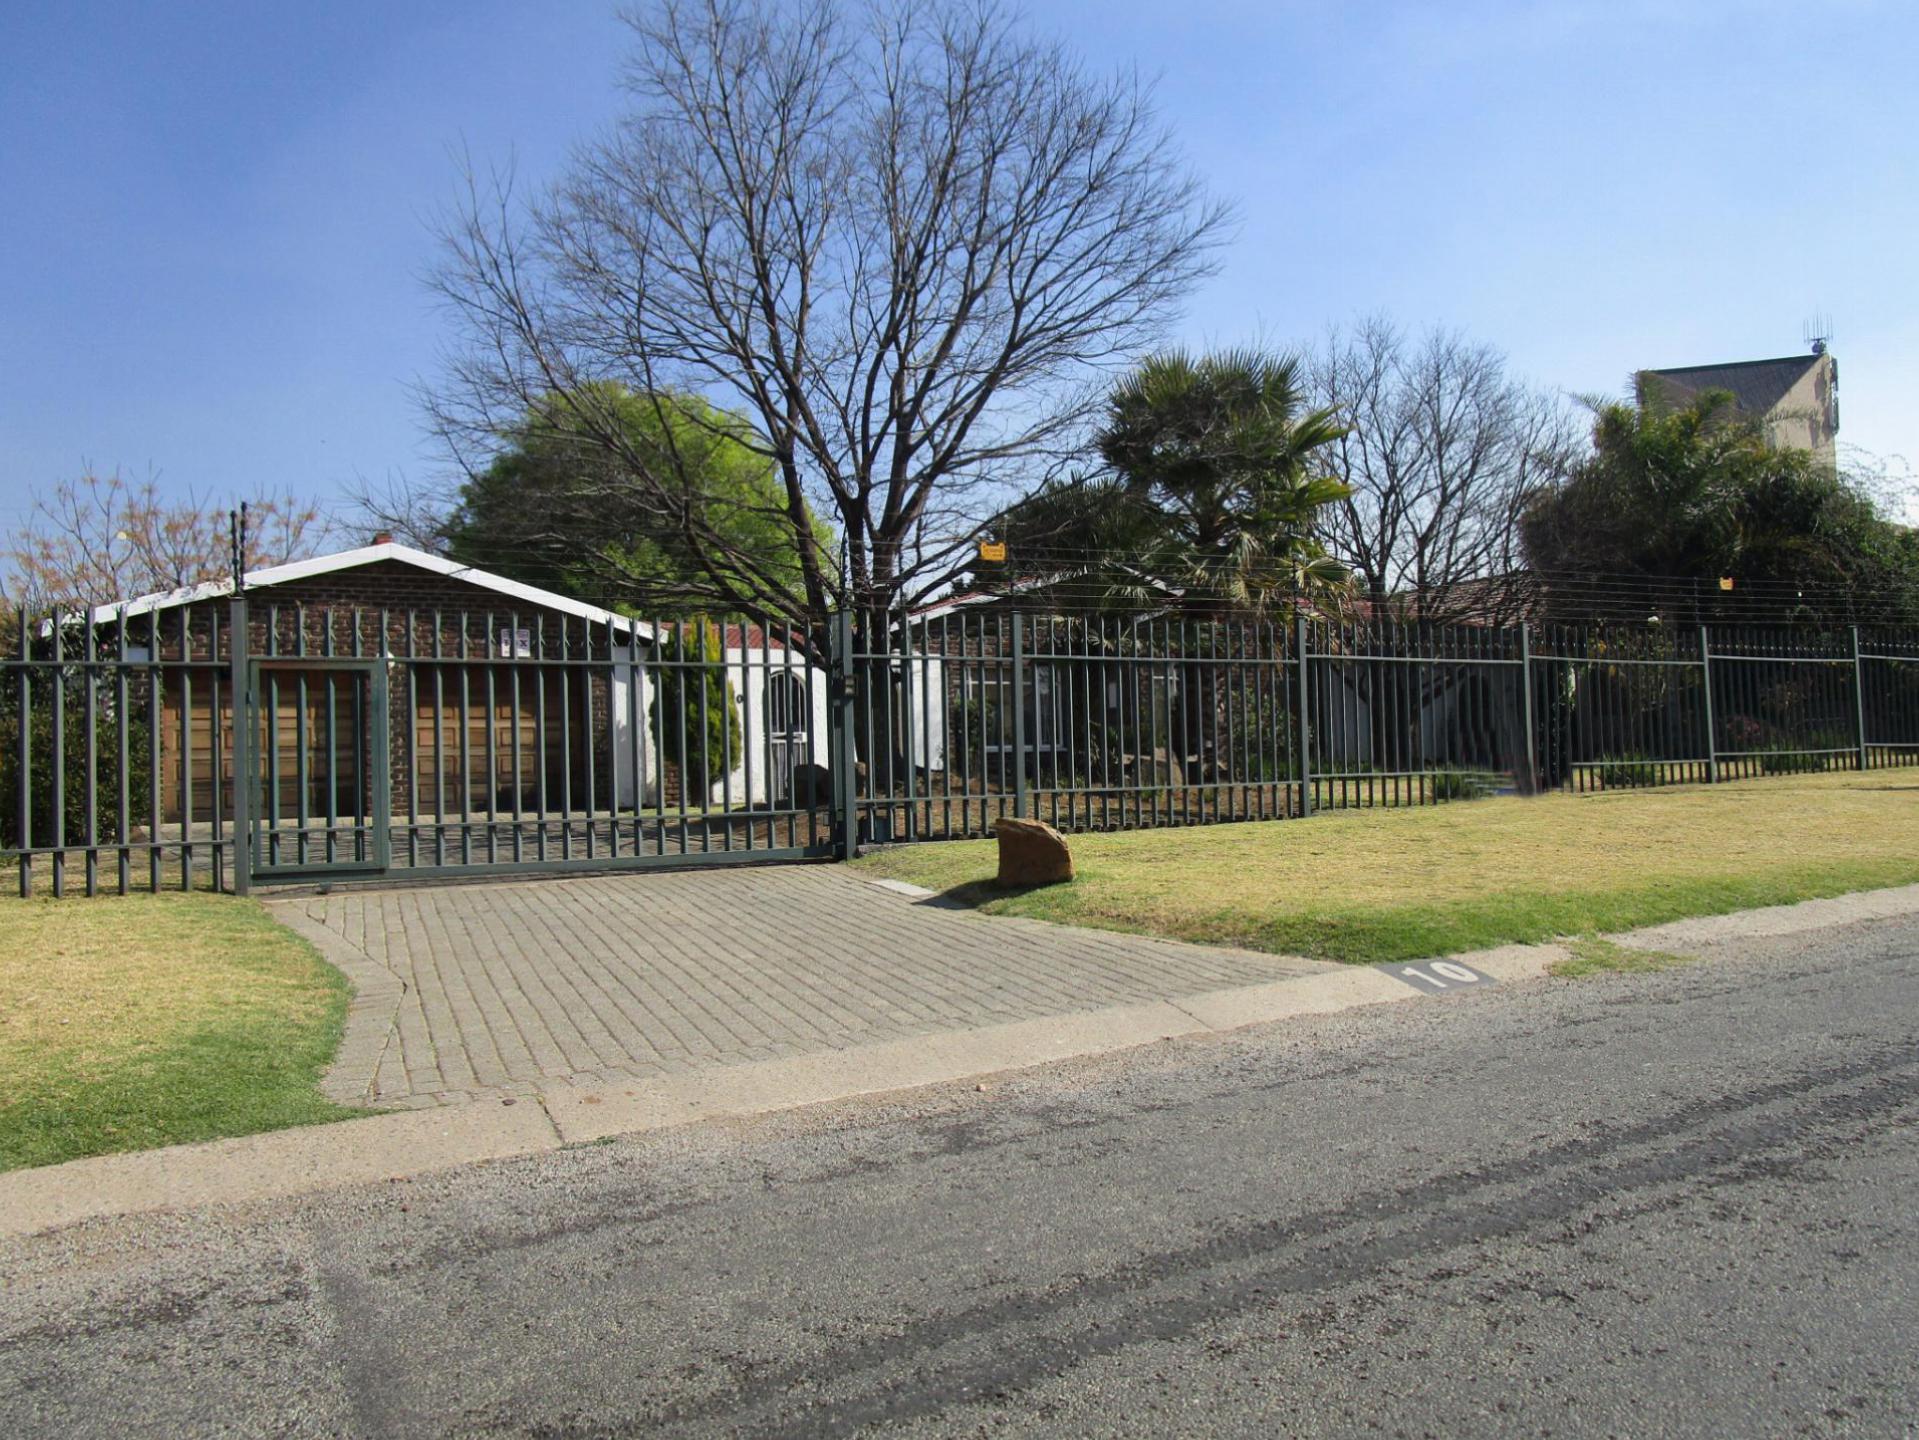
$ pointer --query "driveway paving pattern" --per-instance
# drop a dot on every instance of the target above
(511, 987)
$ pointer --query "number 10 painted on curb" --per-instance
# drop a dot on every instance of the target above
(1445, 974)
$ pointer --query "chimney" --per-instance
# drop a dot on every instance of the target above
(382, 537)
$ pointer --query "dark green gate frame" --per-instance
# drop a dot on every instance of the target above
(366, 836)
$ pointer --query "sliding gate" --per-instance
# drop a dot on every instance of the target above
(321, 779)
(446, 742)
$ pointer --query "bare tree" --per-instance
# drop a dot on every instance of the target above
(901, 240)
(1441, 453)
(102, 538)
(1886, 480)
(413, 511)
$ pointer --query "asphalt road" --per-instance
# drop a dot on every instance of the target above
(1677, 1204)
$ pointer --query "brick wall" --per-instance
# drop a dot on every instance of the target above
(425, 617)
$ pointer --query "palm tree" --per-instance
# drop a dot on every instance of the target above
(1208, 501)
(1216, 452)
(1206, 508)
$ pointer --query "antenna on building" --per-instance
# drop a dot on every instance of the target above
(1818, 332)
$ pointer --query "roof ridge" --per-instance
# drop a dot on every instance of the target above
(1730, 364)
(337, 560)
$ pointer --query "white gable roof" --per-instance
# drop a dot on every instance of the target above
(370, 555)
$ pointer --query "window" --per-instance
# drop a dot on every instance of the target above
(988, 696)
(786, 707)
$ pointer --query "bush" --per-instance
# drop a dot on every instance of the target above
(971, 722)
(1782, 758)
(1626, 771)
(1790, 757)
(1460, 785)
(72, 791)
(693, 704)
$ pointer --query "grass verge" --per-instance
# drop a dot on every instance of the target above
(156, 1020)
(1376, 885)
(1593, 956)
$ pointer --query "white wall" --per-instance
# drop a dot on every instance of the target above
(928, 706)
(632, 695)
(748, 673)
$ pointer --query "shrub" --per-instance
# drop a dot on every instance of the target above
(72, 791)
(1626, 771)
(973, 721)
(1460, 785)
(1789, 757)
(693, 704)
(1782, 758)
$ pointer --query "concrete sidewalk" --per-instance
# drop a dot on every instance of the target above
(290, 1162)
(420, 1141)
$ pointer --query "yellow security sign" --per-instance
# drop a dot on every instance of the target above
(992, 550)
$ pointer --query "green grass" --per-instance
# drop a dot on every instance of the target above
(1405, 884)
(156, 1020)
(1593, 956)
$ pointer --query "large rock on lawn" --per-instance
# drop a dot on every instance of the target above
(1031, 852)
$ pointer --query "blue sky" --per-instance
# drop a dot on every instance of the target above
(217, 214)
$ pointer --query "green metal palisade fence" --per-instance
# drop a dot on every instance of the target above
(433, 743)
(222, 744)
(1108, 723)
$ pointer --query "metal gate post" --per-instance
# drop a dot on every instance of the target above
(1712, 732)
(240, 691)
(1019, 715)
(1859, 695)
(1526, 708)
(1302, 738)
(379, 725)
(845, 751)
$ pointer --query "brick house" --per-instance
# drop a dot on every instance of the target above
(500, 698)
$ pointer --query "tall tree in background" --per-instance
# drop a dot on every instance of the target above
(103, 538)
(899, 242)
(1210, 503)
(545, 509)
(1441, 453)
(1671, 500)
(1208, 510)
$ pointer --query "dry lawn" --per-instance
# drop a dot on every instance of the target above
(1399, 884)
(155, 1019)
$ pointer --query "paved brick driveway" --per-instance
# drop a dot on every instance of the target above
(508, 987)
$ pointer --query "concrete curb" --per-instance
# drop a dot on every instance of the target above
(285, 1163)
(278, 1163)
(372, 1014)
(1776, 920)
(404, 1143)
